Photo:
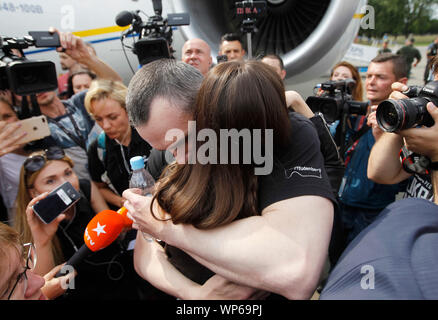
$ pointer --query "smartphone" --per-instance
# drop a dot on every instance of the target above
(56, 202)
(45, 39)
(36, 128)
(222, 58)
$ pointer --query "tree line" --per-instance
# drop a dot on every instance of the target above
(403, 17)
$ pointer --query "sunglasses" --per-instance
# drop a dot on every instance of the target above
(35, 163)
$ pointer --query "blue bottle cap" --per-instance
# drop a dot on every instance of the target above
(137, 162)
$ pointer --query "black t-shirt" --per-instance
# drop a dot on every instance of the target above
(114, 164)
(106, 274)
(298, 171)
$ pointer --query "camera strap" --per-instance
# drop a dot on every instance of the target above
(357, 135)
(413, 162)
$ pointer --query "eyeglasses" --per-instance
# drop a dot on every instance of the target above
(31, 259)
(35, 163)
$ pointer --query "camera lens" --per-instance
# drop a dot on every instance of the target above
(390, 115)
(395, 115)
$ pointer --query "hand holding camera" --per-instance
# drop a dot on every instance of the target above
(423, 140)
(395, 115)
(412, 112)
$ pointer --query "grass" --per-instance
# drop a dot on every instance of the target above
(420, 40)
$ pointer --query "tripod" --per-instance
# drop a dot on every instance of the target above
(248, 27)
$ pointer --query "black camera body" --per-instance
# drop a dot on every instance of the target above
(222, 58)
(395, 115)
(23, 76)
(337, 100)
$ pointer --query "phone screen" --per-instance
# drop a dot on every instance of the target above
(56, 202)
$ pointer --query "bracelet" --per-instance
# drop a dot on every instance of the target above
(147, 237)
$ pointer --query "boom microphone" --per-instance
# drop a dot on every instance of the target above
(125, 18)
(100, 232)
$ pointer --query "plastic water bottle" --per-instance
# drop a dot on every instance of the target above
(143, 180)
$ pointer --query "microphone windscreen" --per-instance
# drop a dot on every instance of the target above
(103, 229)
(124, 213)
(124, 18)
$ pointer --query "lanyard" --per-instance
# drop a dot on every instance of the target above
(78, 138)
(124, 160)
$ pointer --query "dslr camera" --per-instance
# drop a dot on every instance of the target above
(396, 115)
(23, 76)
(337, 100)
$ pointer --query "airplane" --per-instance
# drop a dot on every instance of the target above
(311, 36)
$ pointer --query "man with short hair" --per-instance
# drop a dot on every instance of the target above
(231, 46)
(386, 165)
(69, 65)
(361, 199)
(410, 53)
(384, 48)
(197, 53)
(276, 62)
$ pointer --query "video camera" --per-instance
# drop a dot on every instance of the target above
(337, 100)
(396, 115)
(155, 35)
(23, 76)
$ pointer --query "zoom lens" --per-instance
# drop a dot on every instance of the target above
(396, 115)
(390, 115)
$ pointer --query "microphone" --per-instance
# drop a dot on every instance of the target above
(100, 232)
(125, 18)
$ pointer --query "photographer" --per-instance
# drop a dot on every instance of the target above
(361, 199)
(231, 45)
(385, 164)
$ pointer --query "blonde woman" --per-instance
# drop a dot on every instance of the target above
(108, 156)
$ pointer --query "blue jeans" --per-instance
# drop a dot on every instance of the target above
(356, 219)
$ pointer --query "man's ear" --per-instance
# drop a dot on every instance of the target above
(403, 80)
(283, 74)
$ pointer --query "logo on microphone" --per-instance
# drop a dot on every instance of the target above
(99, 229)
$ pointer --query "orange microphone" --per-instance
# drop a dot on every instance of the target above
(100, 232)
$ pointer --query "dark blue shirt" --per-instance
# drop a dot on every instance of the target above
(396, 257)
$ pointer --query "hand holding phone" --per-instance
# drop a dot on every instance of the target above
(36, 128)
(41, 233)
(56, 202)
